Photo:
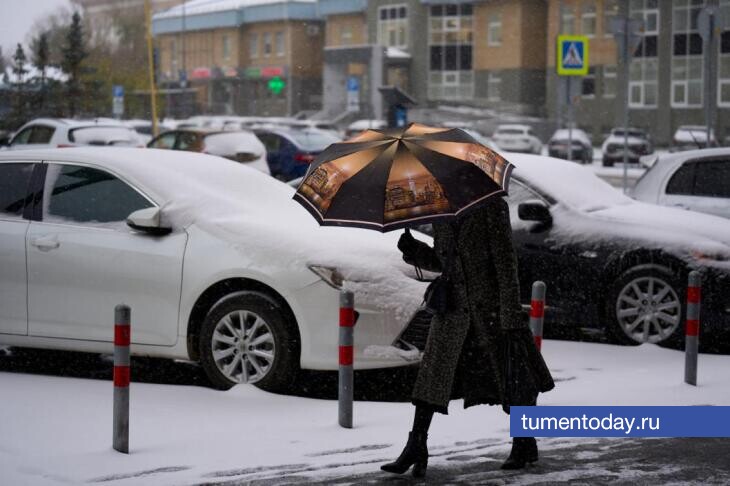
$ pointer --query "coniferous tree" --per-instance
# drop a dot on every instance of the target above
(41, 55)
(41, 60)
(19, 114)
(19, 62)
(74, 53)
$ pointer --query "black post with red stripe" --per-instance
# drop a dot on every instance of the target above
(122, 339)
(346, 373)
(692, 329)
(537, 312)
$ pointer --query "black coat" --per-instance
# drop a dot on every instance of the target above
(465, 350)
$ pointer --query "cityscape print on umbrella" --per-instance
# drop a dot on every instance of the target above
(386, 179)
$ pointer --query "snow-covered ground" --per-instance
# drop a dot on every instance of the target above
(57, 430)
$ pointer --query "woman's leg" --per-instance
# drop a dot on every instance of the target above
(416, 451)
(524, 450)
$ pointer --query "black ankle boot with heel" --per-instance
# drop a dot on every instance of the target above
(414, 454)
(524, 450)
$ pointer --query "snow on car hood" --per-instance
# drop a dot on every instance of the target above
(256, 214)
(682, 233)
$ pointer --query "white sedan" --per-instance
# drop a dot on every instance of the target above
(698, 180)
(517, 138)
(217, 262)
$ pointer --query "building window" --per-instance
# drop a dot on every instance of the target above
(644, 69)
(588, 19)
(494, 29)
(173, 54)
(723, 85)
(345, 35)
(610, 11)
(279, 39)
(253, 45)
(609, 81)
(226, 42)
(451, 37)
(393, 26)
(686, 53)
(494, 87)
(267, 44)
(567, 19)
(588, 84)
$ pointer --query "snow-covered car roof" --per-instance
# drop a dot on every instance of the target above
(692, 133)
(365, 124)
(76, 122)
(512, 126)
(578, 135)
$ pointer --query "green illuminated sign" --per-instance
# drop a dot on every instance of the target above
(276, 85)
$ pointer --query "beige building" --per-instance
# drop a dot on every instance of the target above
(252, 60)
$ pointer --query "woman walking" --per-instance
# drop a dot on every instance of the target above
(470, 341)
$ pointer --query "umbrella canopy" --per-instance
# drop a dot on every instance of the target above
(390, 179)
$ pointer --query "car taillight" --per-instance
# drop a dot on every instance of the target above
(303, 158)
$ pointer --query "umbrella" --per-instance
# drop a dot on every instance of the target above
(395, 178)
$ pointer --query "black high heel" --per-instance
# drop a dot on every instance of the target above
(524, 450)
(414, 454)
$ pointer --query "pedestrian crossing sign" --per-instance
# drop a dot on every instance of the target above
(572, 55)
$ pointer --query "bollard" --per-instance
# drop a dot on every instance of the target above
(345, 387)
(537, 312)
(692, 329)
(122, 338)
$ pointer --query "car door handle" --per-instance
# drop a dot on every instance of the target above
(45, 243)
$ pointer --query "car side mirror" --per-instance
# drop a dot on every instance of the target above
(534, 210)
(648, 160)
(147, 221)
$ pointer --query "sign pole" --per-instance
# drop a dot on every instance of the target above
(571, 116)
(625, 60)
(710, 23)
(572, 61)
(151, 67)
(626, 32)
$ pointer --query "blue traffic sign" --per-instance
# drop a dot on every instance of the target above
(353, 84)
(572, 55)
(118, 91)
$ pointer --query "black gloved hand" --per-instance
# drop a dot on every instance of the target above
(407, 244)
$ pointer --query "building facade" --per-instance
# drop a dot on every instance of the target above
(666, 85)
(258, 58)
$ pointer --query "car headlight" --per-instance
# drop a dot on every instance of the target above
(710, 256)
(331, 276)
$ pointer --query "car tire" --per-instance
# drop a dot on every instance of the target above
(246, 338)
(645, 305)
(607, 162)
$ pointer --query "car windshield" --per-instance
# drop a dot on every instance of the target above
(103, 136)
(567, 183)
(229, 143)
(313, 141)
(619, 132)
(510, 131)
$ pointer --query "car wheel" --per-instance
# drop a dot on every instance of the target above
(245, 338)
(607, 162)
(645, 306)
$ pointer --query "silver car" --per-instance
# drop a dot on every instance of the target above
(697, 179)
